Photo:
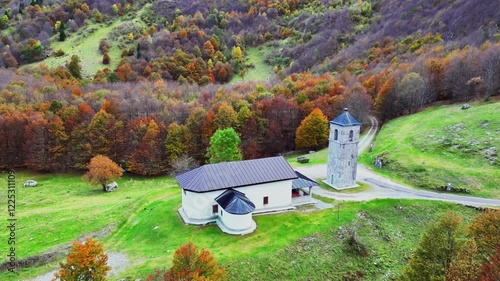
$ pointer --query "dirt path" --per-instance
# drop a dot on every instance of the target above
(117, 261)
(381, 187)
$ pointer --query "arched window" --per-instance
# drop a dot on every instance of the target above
(351, 135)
(336, 134)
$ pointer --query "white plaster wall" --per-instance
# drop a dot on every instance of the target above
(279, 193)
(236, 222)
(199, 205)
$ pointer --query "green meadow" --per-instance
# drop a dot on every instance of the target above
(443, 144)
(259, 69)
(140, 220)
(315, 158)
(85, 43)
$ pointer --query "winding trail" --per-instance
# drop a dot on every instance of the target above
(381, 187)
(118, 262)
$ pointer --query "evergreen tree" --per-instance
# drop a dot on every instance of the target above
(74, 67)
(21, 8)
(138, 51)
(62, 33)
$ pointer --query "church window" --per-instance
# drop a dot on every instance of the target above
(351, 135)
(336, 134)
(221, 213)
(215, 209)
(266, 200)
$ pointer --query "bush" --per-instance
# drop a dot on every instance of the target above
(106, 59)
(103, 46)
(59, 53)
(356, 246)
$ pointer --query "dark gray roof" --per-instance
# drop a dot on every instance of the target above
(235, 202)
(236, 174)
(345, 120)
(303, 182)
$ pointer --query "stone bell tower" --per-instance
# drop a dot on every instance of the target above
(343, 151)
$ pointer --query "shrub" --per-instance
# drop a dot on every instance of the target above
(59, 53)
(106, 59)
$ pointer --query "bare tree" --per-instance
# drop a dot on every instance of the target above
(461, 69)
(359, 102)
(490, 71)
(413, 92)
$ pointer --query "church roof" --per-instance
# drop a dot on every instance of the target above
(345, 120)
(226, 175)
(235, 202)
(303, 182)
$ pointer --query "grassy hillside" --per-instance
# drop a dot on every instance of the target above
(258, 69)
(389, 230)
(443, 144)
(140, 220)
(315, 158)
(63, 208)
(85, 43)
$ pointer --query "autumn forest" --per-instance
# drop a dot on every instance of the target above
(155, 112)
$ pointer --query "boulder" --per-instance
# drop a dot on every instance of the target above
(111, 186)
(30, 183)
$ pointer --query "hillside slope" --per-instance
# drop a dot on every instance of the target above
(306, 244)
(443, 144)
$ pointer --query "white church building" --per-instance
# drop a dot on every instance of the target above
(229, 193)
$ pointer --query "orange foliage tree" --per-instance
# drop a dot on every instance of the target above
(102, 170)
(189, 263)
(85, 261)
(313, 130)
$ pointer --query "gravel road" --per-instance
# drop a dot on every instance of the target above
(117, 261)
